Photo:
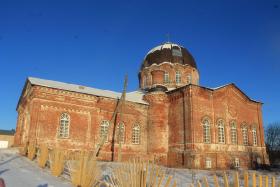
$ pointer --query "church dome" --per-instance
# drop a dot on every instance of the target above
(168, 52)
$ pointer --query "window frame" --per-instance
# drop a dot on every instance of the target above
(166, 78)
(233, 132)
(208, 163)
(221, 131)
(255, 136)
(206, 130)
(136, 135)
(122, 135)
(245, 139)
(64, 125)
(104, 129)
(189, 79)
(236, 162)
(178, 77)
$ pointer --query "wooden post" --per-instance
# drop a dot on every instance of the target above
(260, 181)
(236, 179)
(225, 180)
(254, 179)
(168, 181)
(273, 182)
(205, 181)
(121, 112)
(198, 183)
(266, 181)
(246, 179)
(216, 182)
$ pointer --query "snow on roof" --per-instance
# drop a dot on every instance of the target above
(136, 96)
(167, 45)
(221, 86)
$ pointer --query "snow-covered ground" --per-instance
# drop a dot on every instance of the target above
(17, 171)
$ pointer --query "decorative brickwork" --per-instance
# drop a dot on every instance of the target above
(176, 124)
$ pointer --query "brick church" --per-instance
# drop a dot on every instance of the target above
(170, 119)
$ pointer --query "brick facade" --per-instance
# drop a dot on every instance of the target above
(171, 121)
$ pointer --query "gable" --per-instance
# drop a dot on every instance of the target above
(237, 91)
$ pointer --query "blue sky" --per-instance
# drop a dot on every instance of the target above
(95, 43)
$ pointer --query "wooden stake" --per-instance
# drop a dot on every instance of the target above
(266, 181)
(273, 182)
(205, 181)
(198, 184)
(254, 179)
(225, 180)
(236, 179)
(216, 182)
(246, 179)
(260, 181)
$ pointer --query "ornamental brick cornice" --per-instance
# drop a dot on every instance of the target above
(64, 109)
(67, 93)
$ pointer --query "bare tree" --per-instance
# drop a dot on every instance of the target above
(272, 140)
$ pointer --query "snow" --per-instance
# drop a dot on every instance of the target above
(136, 97)
(167, 45)
(19, 171)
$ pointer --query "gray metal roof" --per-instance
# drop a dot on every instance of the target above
(136, 96)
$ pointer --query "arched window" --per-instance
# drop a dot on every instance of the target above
(206, 131)
(64, 125)
(120, 133)
(245, 135)
(104, 126)
(189, 79)
(221, 131)
(254, 132)
(166, 77)
(233, 132)
(178, 77)
(136, 133)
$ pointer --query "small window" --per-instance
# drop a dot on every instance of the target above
(206, 131)
(104, 126)
(208, 163)
(233, 132)
(120, 133)
(166, 77)
(254, 132)
(64, 125)
(221, 131)
(178, 77)
(144, 81)
(236, 163)
(245, 135)
(189, 79)
(136, 133)
(177, 52)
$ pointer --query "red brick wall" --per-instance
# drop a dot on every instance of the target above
(46, 105)
(171, 127)
(157, 142)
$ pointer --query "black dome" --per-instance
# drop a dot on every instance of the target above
(168, 52)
